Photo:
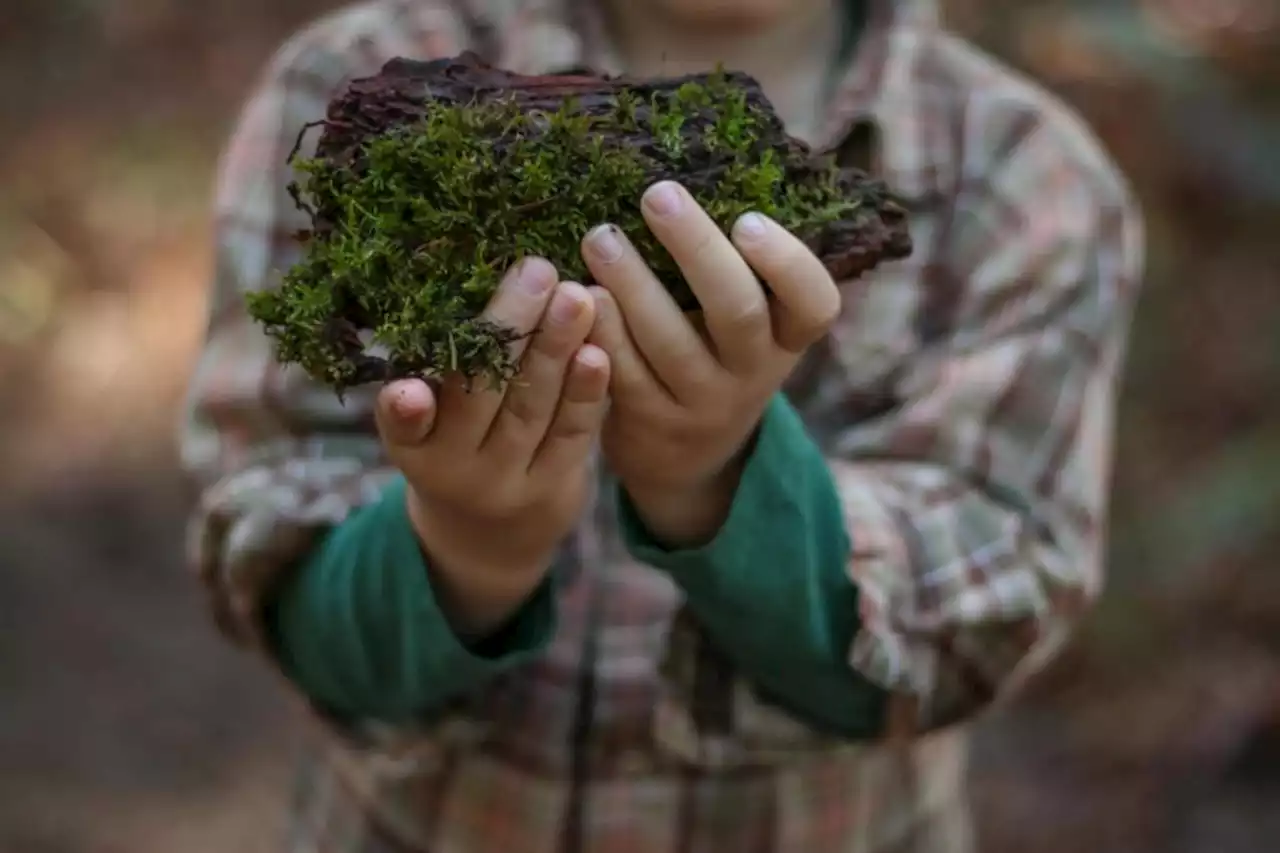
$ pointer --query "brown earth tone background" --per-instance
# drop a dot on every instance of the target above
(125, 727)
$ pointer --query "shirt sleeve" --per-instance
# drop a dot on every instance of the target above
(977, 506)
(359, 629)
(770, 588)
(974, 499)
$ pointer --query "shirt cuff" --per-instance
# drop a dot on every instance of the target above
(361, 630)
(771, 590)
(784, 484)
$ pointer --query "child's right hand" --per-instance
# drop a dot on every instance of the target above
(498, 477)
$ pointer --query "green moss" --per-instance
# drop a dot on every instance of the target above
(414, 234)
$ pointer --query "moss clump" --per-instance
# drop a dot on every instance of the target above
(432, 179)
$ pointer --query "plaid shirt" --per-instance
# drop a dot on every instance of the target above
(964, 401)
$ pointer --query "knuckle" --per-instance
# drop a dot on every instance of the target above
(551, 344)
(603, 298)
(829, 311)
(785, 258)
(823, 314)
(538, 363)
(500, 498)
(447, 484)
(605, 305)
(703, 382)
(585, 386)
(520, 408)
(680, 430)
(578, 420)
(749, 316)
(702, 242)
(571, 429)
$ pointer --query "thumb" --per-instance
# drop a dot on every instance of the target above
(406, 413)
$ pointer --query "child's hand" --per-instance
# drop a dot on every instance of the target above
(499, 477)
(686, 401)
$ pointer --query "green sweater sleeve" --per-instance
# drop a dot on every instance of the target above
(359, 630)
(771, 588)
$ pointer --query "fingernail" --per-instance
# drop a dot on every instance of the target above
(401, 405)
(592, 357)
(663, 199)
(565, 308)
(535, 278)
(605, 244)
(750, 226)
(406, 403)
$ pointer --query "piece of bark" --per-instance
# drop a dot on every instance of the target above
(405, 90)
(716, 134)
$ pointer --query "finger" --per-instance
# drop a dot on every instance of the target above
(734, 306)
(658, 328)
(405, 414)
(806, 300)
(518, 305)
(577, 423)
(629, 374)
(532, 396)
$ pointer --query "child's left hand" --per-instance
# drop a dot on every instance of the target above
(686, 400)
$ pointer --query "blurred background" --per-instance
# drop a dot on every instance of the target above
(126, 726)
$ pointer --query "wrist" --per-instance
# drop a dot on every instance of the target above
(690, 515)
(481, 572)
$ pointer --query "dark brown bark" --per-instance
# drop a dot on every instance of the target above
(405, 90)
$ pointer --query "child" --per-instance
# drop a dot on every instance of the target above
(824, 531)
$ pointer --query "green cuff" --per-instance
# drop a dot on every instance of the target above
(360, 630)
(771, 589)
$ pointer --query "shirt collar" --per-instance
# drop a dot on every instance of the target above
(859, 91)
(574, 33)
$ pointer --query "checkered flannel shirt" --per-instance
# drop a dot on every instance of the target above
(964, 401)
